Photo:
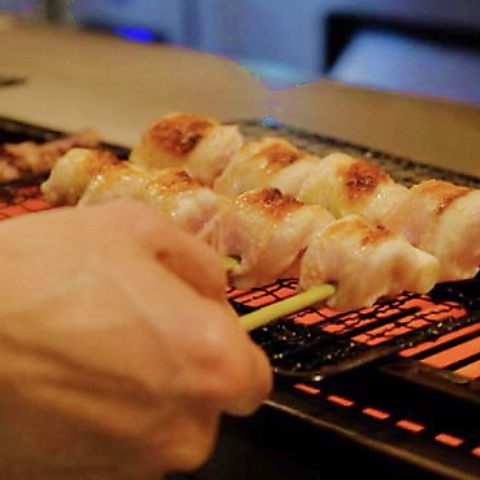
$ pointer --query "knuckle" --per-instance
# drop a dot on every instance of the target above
(189, 456)
(214, 350)
(184, 448)
(236, 375)
(227, 373)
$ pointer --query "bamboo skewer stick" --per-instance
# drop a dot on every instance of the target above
(229, 263)
(265, 315)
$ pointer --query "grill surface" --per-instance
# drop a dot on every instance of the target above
(400, 379)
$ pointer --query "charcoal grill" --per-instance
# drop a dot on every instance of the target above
(399, 380)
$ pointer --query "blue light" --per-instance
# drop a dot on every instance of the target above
(134, 34)
(271, 122)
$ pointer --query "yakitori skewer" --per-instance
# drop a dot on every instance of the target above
(436, 216)
(272, 234)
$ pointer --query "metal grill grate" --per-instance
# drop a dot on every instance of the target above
(319, 342)
(316, 342)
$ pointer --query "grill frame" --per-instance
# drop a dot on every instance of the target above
(335, 401)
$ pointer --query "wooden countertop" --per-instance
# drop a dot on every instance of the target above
(76, 79)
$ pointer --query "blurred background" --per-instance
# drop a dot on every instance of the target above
(428, 47)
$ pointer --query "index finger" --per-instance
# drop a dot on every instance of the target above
(186, 256)
(194, 262)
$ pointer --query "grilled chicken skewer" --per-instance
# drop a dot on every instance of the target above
(276, 236)
(267, 232)
(438, 217)
(88, 176)
(25, 158)
(272, 234)
(82, 174)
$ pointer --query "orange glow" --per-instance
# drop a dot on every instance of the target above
(426, 312)
(307, 389)
(344, 402)
(410, 426)
(454, 354)
(410, 352)
(378, 414)
(471, 371)
(13, 210)
(476, 451)
(311, 316)
(262, 297)
(449, 440)
(35, 204)
(26, 199)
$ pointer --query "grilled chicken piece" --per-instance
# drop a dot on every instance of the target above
(444, 220)
(365, 262)
(290, 179)
(188, 203)
(262, 162)
(122, 180)
(198, 144)
(20, 159)
(267, 232)
(346, 185)
(73, 172)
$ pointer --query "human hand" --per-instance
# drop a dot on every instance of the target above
(118, 351)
